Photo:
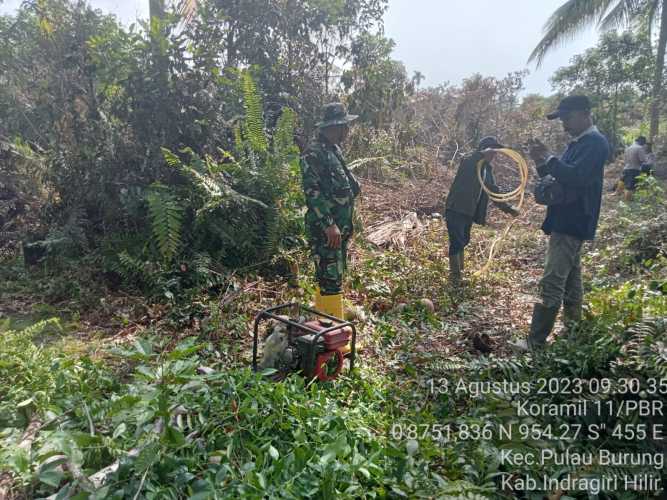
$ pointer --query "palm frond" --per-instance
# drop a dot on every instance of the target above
(170, 158)
(271, 241)
(187, 9)
(567, 21)
(209, 180)
(217, 191)
(652, 16)
(624, 13)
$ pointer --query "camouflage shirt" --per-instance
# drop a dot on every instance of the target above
(329, 187)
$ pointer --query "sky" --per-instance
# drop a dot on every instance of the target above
(447, 40)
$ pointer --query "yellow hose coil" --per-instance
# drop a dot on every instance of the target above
(519, 193)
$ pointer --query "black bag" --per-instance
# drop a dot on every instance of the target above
(548, 191)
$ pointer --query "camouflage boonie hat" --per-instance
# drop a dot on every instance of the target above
(336, 114)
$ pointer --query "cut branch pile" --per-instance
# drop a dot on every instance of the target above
(394, 233)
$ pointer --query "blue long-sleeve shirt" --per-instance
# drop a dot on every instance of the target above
(580, 169)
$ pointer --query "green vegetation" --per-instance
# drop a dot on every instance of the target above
(183, 419)
(150, 206)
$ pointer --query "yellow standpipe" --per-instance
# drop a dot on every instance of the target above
(333, 306)
(329, 304)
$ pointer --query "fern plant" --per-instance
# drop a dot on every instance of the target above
(253, 123)
(130, 269)
(646, 349)
(247, 201)
(283, 138)
(166, 216)
(271, 168)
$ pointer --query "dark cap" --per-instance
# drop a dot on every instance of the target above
(571, 103)
(336, 114)
(489, 142)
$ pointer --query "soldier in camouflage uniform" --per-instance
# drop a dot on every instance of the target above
(330, 191)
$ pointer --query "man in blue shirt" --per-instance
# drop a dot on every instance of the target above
(580, 171)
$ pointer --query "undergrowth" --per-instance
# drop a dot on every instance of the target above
(158, 417)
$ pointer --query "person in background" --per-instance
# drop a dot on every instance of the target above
(635, 157)
(649, 165)
(580, 172)
(330, 190)
(467, 203)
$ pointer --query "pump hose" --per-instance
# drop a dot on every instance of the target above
(517, 193)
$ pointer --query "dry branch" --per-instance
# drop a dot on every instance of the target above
(394, 233)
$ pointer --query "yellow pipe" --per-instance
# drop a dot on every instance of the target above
(519, 193)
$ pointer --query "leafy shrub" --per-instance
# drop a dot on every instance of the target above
(238, 207)
(174, 430)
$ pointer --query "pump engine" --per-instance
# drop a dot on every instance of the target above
(305, 340)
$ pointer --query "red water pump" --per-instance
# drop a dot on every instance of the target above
(317, 346)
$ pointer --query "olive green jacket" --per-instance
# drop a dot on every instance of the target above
(466, 195)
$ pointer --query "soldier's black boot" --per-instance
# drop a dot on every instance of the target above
(455, 270)
(571, 316)
(543, 322)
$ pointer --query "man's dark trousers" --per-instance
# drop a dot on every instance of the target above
(458, 229)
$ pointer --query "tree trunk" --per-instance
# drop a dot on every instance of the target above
(230, 61)
(231, 40)
(156, 8)
(659, 72)
(161, 60)
(614, 120)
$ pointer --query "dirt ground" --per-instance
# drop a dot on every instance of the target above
(501, 305)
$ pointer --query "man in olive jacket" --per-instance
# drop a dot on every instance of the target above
(467, 203)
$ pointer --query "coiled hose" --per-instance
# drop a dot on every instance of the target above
(517, 193)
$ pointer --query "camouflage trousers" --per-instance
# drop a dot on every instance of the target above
(330, 265)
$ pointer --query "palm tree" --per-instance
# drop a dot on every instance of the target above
(186, 8)
(157, 9)
(417, 78)
(576, 15)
